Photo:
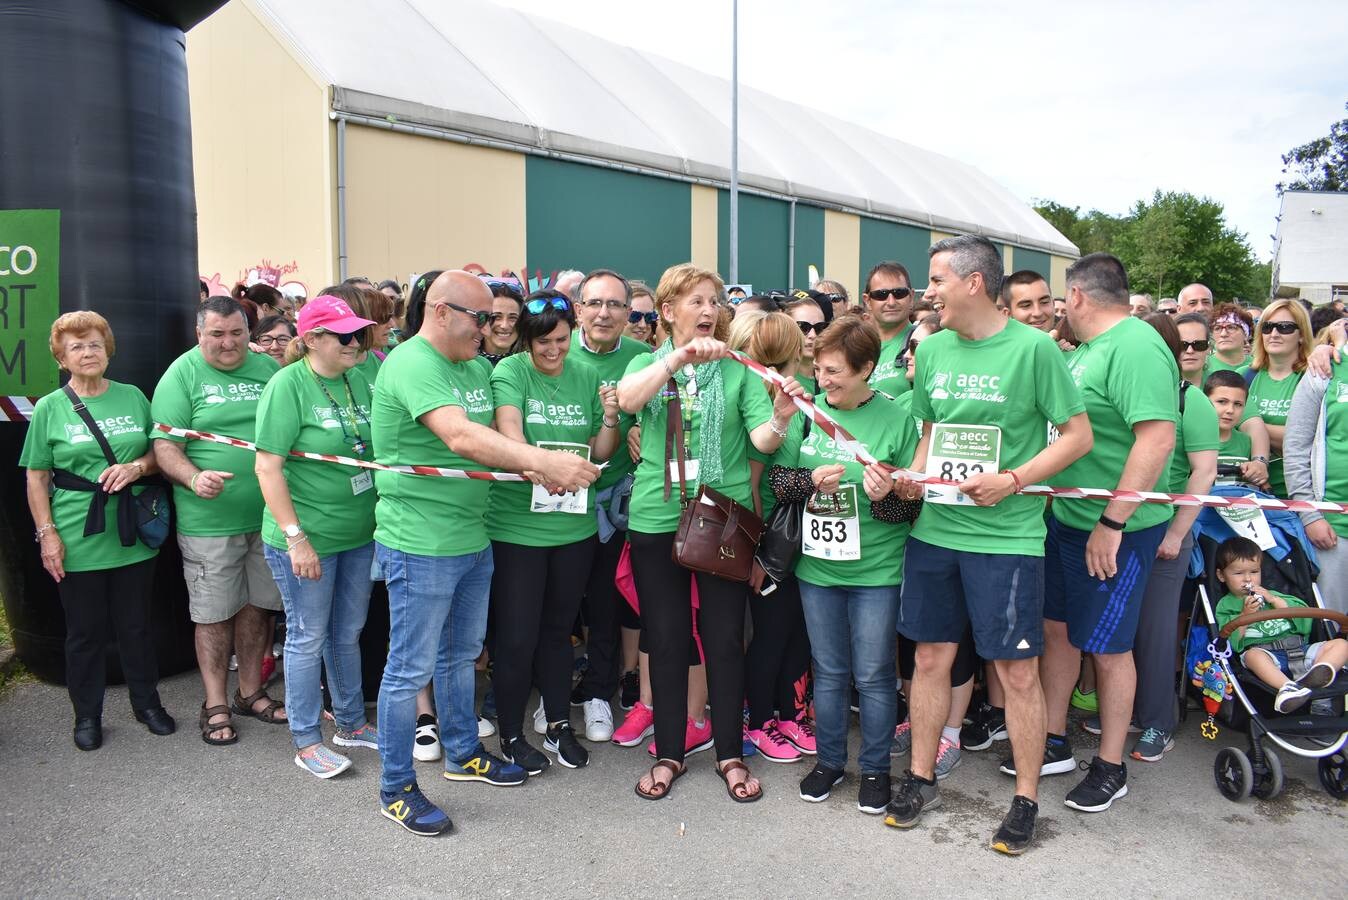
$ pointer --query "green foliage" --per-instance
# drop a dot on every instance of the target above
(1320, 165)
(1093, 232)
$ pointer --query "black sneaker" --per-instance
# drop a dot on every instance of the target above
(816, 787)
(578, 696)
(1017, 829)
(1104, 783)
(561, 740)
(525, 755)
(1058, 759)
(987, 725)
(874, 794)
(912, 797)
(630, 690)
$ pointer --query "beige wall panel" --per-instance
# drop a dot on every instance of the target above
(416, 203)
(1058, 276)
(940, 236)
(261, 154)
(706, 234)
(842, 250)
(1008, 258)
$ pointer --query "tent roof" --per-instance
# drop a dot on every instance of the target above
(456, 64)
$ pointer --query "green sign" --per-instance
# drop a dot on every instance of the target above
(30, 299)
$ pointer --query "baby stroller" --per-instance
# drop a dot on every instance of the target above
(1321, 735)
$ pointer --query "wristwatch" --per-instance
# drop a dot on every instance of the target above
(292, 531)
(1261, 459)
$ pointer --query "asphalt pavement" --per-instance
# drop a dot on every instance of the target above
(157, 817)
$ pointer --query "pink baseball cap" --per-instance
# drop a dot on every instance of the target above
(331, 314)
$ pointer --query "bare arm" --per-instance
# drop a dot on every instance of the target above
(1202, 474)
(39, 504)
(756, 478)
(270, 469)
(1257, 432)
(1153, 442)
(173, 462)
(496, 451)
(1076, 440)
(636, 389)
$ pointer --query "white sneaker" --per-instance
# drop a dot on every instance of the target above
(598, 720)
(426, 747)
(485, 728)
(1291, 697)
(540, 719)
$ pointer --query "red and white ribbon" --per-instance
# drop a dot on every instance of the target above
(847, 442)
(16, 408)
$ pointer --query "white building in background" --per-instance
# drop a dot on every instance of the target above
(1311, 253)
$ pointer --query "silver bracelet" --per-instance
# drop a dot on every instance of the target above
(608, 424)
(780, 432)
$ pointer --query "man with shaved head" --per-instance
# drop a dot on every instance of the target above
(1196, 298)
(434, 407)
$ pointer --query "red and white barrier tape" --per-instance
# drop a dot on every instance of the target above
(16, 408)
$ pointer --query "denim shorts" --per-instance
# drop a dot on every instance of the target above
(1292, 668)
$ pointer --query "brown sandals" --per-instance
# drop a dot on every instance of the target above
(738, 792)
(660, 789)
(244, 706)
(207, 729)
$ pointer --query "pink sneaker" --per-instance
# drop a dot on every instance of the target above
(638, 725)
(695, 739)
(800, 732)
(773, 744)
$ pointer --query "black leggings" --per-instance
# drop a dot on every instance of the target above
(96, 603)
(777, 664)
(667, 614)
(965, 666)
(602, 614)
(535, 592)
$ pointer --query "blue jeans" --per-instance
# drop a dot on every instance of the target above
(324, 619)
(852, 633)
(437, 619)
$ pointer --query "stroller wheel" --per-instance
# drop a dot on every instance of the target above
(1269, 784)
(1334, 775)
(1234, 775)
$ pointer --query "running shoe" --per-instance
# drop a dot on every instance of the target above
(638, 725)
(774, 745)
(903, 739)
(525, 755)
(947, 757)
(410, 809)
(1104, 783)
(426, 748)
(540, 719)
(988, 724)
(1017, 829)
(485, 767)
(629, 690)
(874, 793)
(561, 740)
(1153, 745)
(365, 736)
(1291, 697)
(485, 727)
(1058, 759)
(914, 795)
(696, 738)
(321, 762)
(816, 786)
(598, 720)
(800, 732)
(1320, 675)
(1086, 701)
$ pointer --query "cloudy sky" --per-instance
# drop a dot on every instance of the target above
(1093, 104)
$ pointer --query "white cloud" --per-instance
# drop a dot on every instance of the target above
(1091, 104)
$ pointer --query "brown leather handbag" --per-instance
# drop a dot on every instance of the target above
(716, 535)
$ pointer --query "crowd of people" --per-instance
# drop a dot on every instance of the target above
(949, 618)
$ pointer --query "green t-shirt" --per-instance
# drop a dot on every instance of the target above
(194, 395)
(746, 407)
(808, 382)
(889, 436)
(1126, 375)
(58, 439)
(1233, 451)
(1215, 364)
(420, 514)
(1271, 400)
(611, 367)
(1015, 380)
(1231, 606)
(369, 367)
(334, 503)
(1197, 431)
(559, 413)
(889, 376)
(1336, 445)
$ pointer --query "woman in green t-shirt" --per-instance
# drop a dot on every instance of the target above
(1281, 346)
(85, 525)
(721, 401)
(318, 525)
(543, 543)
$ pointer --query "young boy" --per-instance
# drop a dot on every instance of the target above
(1273, 650)
(1228, 392)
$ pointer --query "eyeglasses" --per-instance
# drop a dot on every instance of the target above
(885, 293)
(1199, 346)
(280, 340)
(1236, 326)
(92, 347)
(1280, 327)
(539, 304)
(651, 317)
(482, 317)
(343, 339)
(816, 327)
(610, 305)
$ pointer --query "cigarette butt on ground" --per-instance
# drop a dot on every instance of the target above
(681, 829)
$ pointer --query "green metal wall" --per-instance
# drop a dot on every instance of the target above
(764, 234)
(584, 217)
(1032, 259)
(809, 244)
(888, 240)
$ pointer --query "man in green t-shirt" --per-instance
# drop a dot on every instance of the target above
(889, 297)
(434, 407)
(605, 297)
(986, 389)
(232, 597)
(1099, 554)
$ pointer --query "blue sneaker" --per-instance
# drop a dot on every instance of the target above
(410, 809)
(364, 736)
(485, 767)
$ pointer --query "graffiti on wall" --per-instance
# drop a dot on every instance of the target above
(279, 275)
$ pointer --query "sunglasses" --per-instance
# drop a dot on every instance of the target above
(1280, 327)
(343, 339)
(816, 327)
(480, 316)
(912, 347)
(835, 298)
(1200, 346)
(651, 317)
(885, 293)
(539, 304)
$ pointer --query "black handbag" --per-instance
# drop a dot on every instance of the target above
(779, 548)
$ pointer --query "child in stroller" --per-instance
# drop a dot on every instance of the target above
(1275, 650)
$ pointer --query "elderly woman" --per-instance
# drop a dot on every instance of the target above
(86, 526)
(272, 335)
(318, 526)
(721, 402)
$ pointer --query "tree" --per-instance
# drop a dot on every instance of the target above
(1321, 165)
(1092, 233)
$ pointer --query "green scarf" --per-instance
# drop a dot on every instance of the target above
(710, 400)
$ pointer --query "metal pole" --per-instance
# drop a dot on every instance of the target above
(735, 142)
(791, 250)
(341, 199)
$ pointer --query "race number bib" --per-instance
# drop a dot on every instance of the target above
(1249, 522)
(578, 502)
(830, 528)
(690, 470)
(362, 482)
(958, 452)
